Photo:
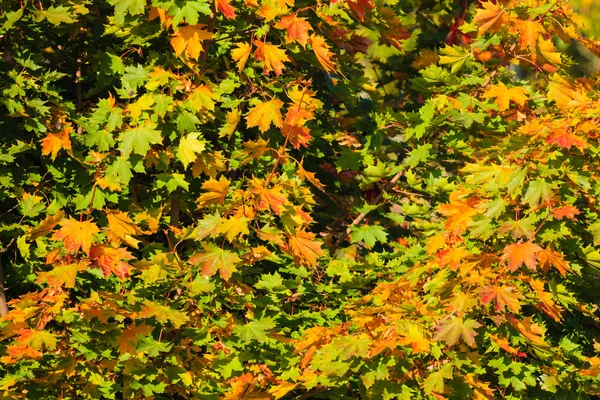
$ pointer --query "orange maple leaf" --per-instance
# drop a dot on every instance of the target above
(224, 7)
(189, 39)
(549, 257)
(304, 249)
(264, 114)
(217, 191)
(502, 296)
(529, 32)
(240, 54)
(566, 212)
(110, 260)
(296, 29)
(321, 50)
(268, 198)
(129, 340)
(294, 129)
(565, 94)
(565, 139)
(518, 254)
(162, 14)
(55, 142)
(491, 17)
(505, 95)
(77, 235)
(271, 56)
(459, 213)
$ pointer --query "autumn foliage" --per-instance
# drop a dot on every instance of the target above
(280, 199)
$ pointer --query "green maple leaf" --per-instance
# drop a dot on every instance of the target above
(138, 140)
(133, 7)
(418, 155)
(163, 313)
(451, 329)
(103, 140)
(536, 191)
(255, 330)
(271, 283)
(215, 259)
(435, 381)
(147, 344)
(370, 234)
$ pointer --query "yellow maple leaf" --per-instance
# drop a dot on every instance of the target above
(189, 147)
(233, 227)
(240, 54)
(217, 191)
(54, 142)
(548, 51)
(529, 32)
(121, 227)
(264, 114)
(77, 235)
(321, 50)
(505, 95)
(565, 94)
(491, 17)
(271, 56)
(189, 39)
(202, 98)
(142, 104)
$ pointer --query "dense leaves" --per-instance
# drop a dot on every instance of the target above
(277, 199)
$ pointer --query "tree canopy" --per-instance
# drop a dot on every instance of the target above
(293, 199)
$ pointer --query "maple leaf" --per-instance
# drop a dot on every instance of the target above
(189, 147)
(233, 227)
(321, 50)
(565, 94)
(529, 32)
(254, 149)
(505, 345)
(121, 226)
(502, 296)
(241, 53)
(565, 139)
(233, 118)
(453, 328)
(264, 114)
(110, 260)
(548, 51)
(549, 257)
(55, 142)
(547, 305)
(217, 191)
(60, 275)
(189, 39)
(162, 15)
(163, 313)
(139, 139)
(46, 226)
(268, 198)
(272, 57)
(207, 226)
(29, 343)
(505, 95)
(521, 253)
(144, 103)
(296, 28)
(491, 17)
(202, 98)
(566, 212)
(459, 213)
(360, 7)
(293, 128)
(215, 259)
(304, 248)
(129, 340)
(414, 337)
(77, 235)
(225, 8)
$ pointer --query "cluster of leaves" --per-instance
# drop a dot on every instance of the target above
(278, 199)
